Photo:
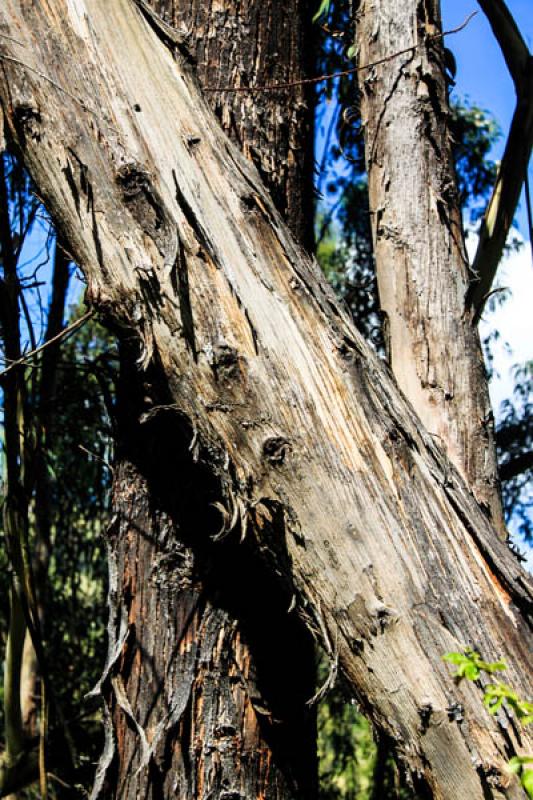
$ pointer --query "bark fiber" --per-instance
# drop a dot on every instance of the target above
(241, 726)
(422, 266)
(321, 465)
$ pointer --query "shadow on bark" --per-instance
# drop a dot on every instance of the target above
(209, 686)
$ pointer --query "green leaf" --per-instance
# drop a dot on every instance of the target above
(514, 765)
(521, 760)
(470, 665)
(453, 658)
(494, 666)
(527, 782)
(323, 10)
(524, 711)
(471, 671)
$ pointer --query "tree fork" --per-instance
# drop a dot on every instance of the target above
(352, 504)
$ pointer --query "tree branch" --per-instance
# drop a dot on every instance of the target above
(516, 466)
(512, 44)
(501, 208)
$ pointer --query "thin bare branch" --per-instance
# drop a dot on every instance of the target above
(502, 205)
(65, 332)
(511, 41)
(350, 71)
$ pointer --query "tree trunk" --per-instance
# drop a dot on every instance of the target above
(43, 425)
(318, 461)
(421, 260)
(253, 43)
(209, 691)
(231, 703)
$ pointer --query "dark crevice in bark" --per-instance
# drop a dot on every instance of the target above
(246, 737)
(183, 594)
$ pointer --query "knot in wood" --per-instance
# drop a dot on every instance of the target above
(133, 179)
(275, 449)
(27, 120)
(225, 362)
(455, 712)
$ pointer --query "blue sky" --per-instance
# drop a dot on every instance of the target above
(482, 75)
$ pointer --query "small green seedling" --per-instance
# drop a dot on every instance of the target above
(470, 665)
(497, 693)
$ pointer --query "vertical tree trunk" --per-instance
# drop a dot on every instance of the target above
(230, 670)
(43, 423)
(421, 260)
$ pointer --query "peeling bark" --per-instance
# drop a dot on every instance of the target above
(300, 427)
(421, 261)
(206, 698)
(221, 677)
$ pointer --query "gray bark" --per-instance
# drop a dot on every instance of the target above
(221, 675)
(422, 267)
(300, 426)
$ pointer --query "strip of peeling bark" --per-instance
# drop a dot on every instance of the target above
(511, 41)
(502, 205)
(301, 426)
(421, 264)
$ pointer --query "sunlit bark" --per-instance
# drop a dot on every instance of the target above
(319, 463)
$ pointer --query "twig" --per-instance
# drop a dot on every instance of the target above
(47, 78)
(529, 212)
(98, 457)
(44, 77)
(61, 335)
(12, 39)
(351, 71)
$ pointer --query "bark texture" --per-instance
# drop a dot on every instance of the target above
(320, 464)
(207, 694)
(421, 261)
(230, 698)
(242, 43)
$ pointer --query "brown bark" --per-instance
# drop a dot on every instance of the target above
(321, 464)
(231, 704)
(209, 693)
(253, 43)
(421, 262)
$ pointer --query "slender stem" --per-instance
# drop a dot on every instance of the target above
(14, 734)
(529, 213)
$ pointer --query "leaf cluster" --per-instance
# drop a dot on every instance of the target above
(496, 696)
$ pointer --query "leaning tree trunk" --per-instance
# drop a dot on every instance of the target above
(222, 676)
(320, 464)
(421, 262)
